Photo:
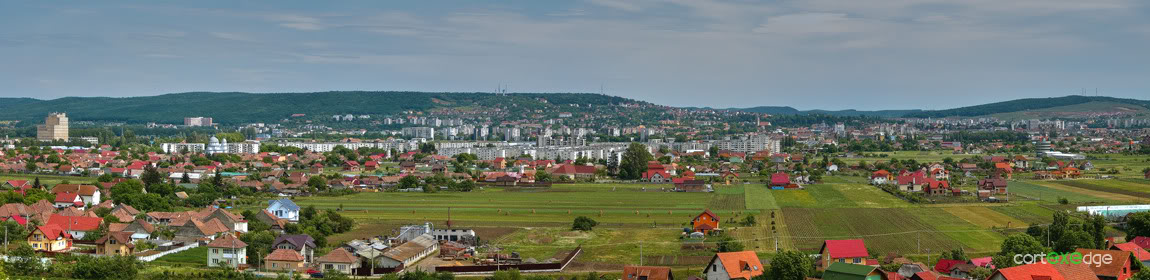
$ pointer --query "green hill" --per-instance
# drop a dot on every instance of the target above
(237, 107)
(1028, 104)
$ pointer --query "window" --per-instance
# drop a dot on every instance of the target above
(215, 251)
(858, 260)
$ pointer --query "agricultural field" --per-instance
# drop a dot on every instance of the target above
(47, 180)
(536, 222)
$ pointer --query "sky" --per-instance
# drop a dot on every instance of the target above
(808, 54)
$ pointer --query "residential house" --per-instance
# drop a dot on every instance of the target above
(65, 200)
(284, 260)
(881, 177)
(1045, 271)
(1141, 254)
(89, 194)
(733, 265)
(227, 251)
(284, 209)
(338, 260)
(572, 171)
(912, 181)
(50, 238)
(277, 224)
(705, 222)
(139, 229)
(1121, 268)
(301, 243)
(76, 226)
(647, 273)
(233, 222)
(992, 186)
(849, 271)
(115, 243)
(780, 180)
(851, 251)
(690, 185)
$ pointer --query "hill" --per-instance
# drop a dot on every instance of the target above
(787, 110)
(1050, 105)
(238, 107)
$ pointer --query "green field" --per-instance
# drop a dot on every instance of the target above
(536, 222)
(194, 257)
(47, 180)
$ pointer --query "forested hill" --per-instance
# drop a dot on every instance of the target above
(238, 107)
(1027, 104)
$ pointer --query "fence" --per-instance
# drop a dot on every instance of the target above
(531, 267)
(153, 257)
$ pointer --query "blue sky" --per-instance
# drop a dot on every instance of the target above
(827, 54)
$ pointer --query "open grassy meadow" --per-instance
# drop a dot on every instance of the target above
(536, 222)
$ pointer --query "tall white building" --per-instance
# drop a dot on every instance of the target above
(419, 132)
(198, 121)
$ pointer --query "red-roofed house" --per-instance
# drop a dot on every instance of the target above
(846, 251)
(780, 180)
(76, 226)
(944, 265)
(1141, 254)
(1036, 271)
(705, 222)
(734, 265)
(50, 238)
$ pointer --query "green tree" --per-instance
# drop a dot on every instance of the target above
(151, 176)
(728, 244)
(790, 265)
(409, 182)
(543, 176)
(634, 162)
(317, 183)
(259, 242)
(1016, 244)
(1138, 224)
(583, 223)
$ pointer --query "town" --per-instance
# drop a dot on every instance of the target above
(860, 198)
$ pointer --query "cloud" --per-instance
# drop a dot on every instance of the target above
(625, 5)
(232, 36)
(297, 22)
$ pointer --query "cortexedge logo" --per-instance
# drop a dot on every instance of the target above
(1096, 260)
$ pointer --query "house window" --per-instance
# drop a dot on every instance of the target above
(858, 260)
(215, 251)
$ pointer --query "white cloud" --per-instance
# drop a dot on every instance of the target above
(625, 5)
(232, 36)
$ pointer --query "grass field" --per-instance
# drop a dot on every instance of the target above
(536, 222)
(47, 180)
(194, 257)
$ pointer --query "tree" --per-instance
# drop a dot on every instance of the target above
(728, 244)
(956, 254)
(634, 162)
(151, 176)
(1138, 224)
(258, 242)
(790, 265)
(1016, 244)
(1098, 231)
(23, 261)
(749, 220)
(409, 182)
(462, 186)
(983, 273)
(317, 183)
(542, 176)
(185, 179)
(583, 223)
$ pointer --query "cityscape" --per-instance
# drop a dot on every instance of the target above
(436, 141)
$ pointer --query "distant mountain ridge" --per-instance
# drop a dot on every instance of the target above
(240, 107)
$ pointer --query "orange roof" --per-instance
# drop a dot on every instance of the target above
(1139, 253)
(339, 255)
(284, 255)
(1112, 269)
(744, 264)
(227, 241)
(1031, 272)
(646, 272)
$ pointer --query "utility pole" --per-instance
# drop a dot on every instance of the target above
(640, 253)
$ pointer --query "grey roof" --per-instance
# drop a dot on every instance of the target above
(287, 203)
(299, 240)
(411, 248)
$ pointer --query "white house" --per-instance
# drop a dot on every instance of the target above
(284, 209)
(734, 265)
(227, 251)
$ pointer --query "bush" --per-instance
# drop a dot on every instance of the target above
(583, 223)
